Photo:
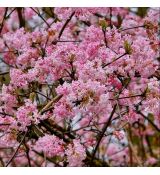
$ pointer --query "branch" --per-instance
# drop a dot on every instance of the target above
(65, 24)
(102, 133)
(150, 121)
(49, 159)
(132, 28)
(96, 162)
(46, 107)
(132, 96)
(133, 151)
(27, 153)
(16, 150)
(105, 40)
(3, 20)
(21, 19)
(41, 17)
(114, 60)
(4, 73)
(42, 94)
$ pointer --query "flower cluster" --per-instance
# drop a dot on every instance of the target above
(79, 86)
(50, 146)
(75, 153)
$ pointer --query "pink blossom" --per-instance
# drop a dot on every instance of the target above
(50, 146)
(75, 154)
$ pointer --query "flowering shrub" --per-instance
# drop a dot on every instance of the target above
(79, 87)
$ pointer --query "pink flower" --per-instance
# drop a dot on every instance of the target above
(27, 115)
(18, 78)
(118, 134)
(75, 154)
(50, 146)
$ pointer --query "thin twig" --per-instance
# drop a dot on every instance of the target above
(132, 96)
(11, 12)
(114, 60)
(135, 27)
(3, 20)
(150, 121)
(46, 107)
(105, 41)
(16, 150)
(27, 153)
(102, 133)
(65, 24)
(42, 95)
(40, 16)
(4, 73)
(133, 151)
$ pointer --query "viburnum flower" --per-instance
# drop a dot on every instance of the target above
(50, 146)
(18, 78)
(75, 153)
(27, 115)
(79, 86)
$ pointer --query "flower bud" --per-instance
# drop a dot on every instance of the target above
(127, 47)
(103, 24)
